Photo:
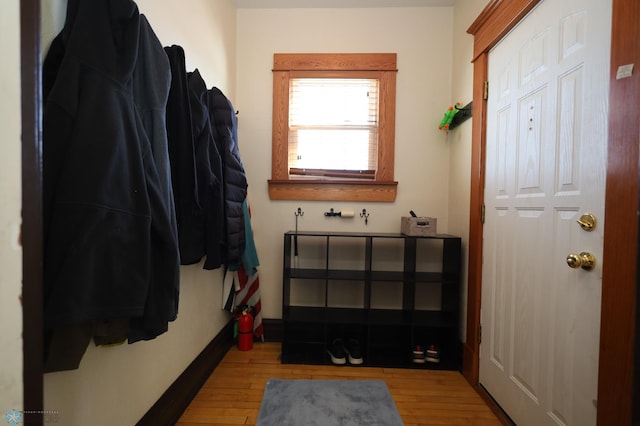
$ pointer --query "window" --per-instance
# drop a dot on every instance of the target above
(333, 127)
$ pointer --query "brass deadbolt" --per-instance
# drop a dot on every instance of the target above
(587, 222)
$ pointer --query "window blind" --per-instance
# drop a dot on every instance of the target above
(333, 127)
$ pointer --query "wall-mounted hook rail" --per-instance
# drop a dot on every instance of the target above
(464, 113)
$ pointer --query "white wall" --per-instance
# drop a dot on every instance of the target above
(465, 12)
(118, 385)
(10, 194)
(421, 37)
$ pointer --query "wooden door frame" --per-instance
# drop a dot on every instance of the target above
(31, 228)
(620, 275)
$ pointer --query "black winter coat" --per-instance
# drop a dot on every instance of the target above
(225, 132)
(182, 156)
(110, 237)
(209, 174)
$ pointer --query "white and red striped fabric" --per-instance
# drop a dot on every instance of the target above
(242, 288)
(248, 293)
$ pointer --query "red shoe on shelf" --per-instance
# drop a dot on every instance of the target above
(433, 353)
(418, 355)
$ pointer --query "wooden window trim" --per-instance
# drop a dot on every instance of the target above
(290, 65)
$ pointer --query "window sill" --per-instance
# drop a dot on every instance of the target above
(333, 190)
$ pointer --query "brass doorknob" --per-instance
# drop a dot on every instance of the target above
(584, 260)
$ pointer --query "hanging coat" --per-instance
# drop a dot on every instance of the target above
(151, 81)
(234, 181)
(208, 173)
(182, 156)
(110, 244)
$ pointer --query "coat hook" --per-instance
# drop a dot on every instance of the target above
(298, 213)
(365, 215)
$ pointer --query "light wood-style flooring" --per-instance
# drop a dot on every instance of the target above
(233, 393)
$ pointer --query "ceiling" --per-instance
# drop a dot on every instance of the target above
(268, 4)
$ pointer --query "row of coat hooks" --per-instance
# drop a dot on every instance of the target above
(333, 213)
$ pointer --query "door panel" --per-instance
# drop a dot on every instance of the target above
(545, 167)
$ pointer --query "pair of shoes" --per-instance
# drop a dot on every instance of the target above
(431, 354)
(340, 352)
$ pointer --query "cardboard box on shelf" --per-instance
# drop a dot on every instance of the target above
(420, 226)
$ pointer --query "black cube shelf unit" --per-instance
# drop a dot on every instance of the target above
(389, 291)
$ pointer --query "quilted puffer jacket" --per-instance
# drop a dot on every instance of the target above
(234, 182)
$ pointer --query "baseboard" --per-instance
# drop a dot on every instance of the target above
(494, 406)
(168, 409)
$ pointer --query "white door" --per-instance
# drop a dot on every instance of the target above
(545, 168)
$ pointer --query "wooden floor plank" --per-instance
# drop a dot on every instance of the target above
(233, 393)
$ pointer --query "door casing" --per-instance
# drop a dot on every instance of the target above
(619, 281)
(31, 228)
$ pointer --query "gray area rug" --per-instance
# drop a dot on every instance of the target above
(327, 402)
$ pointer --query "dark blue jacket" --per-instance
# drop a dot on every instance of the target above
(182, 156)
(110, 231)
(234, 181)
(209, 175)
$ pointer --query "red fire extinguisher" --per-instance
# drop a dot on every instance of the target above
(245, 331)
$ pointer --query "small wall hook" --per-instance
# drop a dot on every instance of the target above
(298, 213)
(365, 215)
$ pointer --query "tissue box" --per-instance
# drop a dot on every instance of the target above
(418, 226)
